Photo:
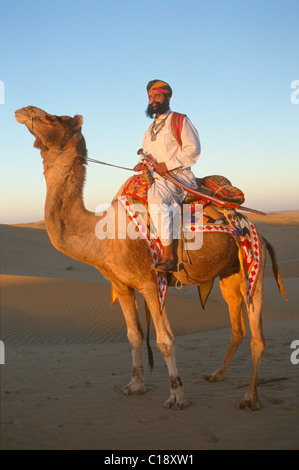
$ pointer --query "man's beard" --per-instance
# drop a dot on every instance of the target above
(161, 108)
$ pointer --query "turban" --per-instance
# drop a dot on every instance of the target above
(159, 86)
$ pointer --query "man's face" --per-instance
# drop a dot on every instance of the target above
(157, 104)
(155, 98)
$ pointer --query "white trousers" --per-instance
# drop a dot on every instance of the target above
(164, 199)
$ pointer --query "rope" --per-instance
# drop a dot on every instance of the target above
(108, 164)
(181, 263)
(91, 159)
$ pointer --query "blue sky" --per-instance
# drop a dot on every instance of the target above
(230, 64)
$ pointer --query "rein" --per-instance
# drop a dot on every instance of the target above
(90, 159)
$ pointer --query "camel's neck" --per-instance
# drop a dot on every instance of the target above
(66, 218)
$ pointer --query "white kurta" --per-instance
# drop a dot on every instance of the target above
(178, 160)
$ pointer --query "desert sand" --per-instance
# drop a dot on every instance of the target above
(67, 357)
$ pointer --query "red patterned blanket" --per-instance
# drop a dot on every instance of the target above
(215, 188)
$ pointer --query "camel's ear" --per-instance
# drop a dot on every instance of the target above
(77, 122)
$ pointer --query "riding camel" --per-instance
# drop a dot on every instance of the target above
(126, 262)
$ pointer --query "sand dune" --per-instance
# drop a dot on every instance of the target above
(67, 357)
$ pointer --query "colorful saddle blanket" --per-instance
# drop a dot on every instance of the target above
(213, 186)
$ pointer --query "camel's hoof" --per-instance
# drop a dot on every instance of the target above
(249, 405)
(216, 377)
(173, 404)
(131, 390)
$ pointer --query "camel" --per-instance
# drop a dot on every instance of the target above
(126, 262)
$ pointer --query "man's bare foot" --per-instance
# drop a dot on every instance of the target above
(165, 265)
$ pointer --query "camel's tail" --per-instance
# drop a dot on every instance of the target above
(275, 268)
(149, 349)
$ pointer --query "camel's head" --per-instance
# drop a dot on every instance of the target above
(50, 131)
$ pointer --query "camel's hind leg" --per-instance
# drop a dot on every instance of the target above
(231, 291)
(126, 297)
(251, 401)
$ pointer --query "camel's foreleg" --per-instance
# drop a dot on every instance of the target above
(231, 291)
(126, 297)
(177, 399)
(165, 343)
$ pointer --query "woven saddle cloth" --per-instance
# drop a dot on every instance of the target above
(213, 186)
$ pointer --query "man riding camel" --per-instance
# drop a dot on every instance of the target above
(175, 151)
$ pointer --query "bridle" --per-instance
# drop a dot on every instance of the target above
(59, 150)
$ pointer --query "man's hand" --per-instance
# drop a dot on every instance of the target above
(161, 169)
(138, 167)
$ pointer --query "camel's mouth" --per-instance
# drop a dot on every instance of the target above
(22, 115)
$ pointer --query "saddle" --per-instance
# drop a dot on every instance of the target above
(220, 187)
(213, 186)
